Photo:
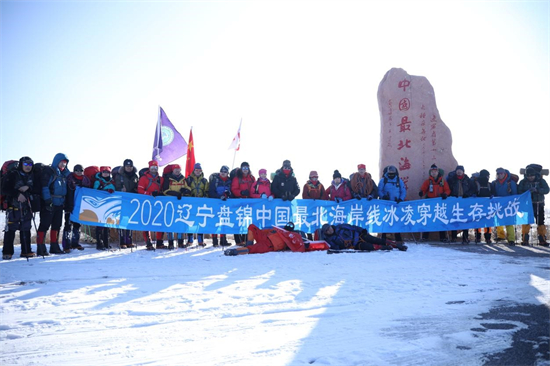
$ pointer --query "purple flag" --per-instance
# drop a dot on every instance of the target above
(169, 145)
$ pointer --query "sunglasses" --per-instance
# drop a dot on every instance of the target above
(27, 164)
(78, 171)
(246, 168)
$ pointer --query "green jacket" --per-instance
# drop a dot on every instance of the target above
(540, 188)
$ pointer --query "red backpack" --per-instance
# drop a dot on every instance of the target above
(90, 172)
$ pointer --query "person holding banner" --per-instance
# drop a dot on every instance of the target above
(103, 182)
(126, 181)
(285, 185)
(534, 183)
(241, 187)
(392, 188)
(313, 190)
(433, 187)
(362, 185)
(504, 186)
(175, 185)
(151, 184)
(482, 188)
(220, 187)
(71, 230)
(198, 185)
(460, 186)
(338, 190)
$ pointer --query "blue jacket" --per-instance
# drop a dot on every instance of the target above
(54, 181)
(345, 236)
(218, 187)
(393, 188)
(102, 183)
(507, 188)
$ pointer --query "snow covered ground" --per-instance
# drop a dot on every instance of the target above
(199, 307)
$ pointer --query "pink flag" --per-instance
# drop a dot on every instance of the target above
(236, 143)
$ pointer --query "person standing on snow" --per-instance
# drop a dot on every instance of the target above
(392, 188)
(504, 186)
(198, 185)
(103, 182)
(460, 186)
(151, 184)
(241, 187)
(262, 186)
(362, 185)
(126, 181)
(71, 230)
(18, 187)
(313, 190)
(534, 183)
(433, 187)
(220, 187)
(54, 190)
(284, 184)
(482, 188)
(175, 185)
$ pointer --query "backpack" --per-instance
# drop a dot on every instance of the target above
(7, 167)
(213, 178)
(142, 172)
(90, 172)
(233, 173)
(168, 169)
(115, 172)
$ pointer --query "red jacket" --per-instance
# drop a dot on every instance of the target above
(342, 192)
(240, 184)
(439, 187)
(260, 187)
(149, 184)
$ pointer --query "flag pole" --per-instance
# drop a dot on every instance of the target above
(234, 154)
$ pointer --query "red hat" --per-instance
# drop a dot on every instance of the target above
(153, 163)
(361, 166)
(176, 166)
(105, 169)
(313, 173)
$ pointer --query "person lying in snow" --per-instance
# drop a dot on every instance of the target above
(275, 239)
(345, 236)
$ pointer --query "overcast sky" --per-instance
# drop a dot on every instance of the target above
(86, 79)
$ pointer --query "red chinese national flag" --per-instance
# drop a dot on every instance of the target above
(190, 164)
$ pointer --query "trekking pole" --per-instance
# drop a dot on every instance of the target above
(35, 228)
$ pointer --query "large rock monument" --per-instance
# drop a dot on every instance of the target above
(413, 136)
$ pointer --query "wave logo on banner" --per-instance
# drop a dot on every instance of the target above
(101, 210)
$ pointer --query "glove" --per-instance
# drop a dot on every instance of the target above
(245, 193)
(420, 194)
(369, 197)
(533, 190)
(224, 197)
(185, 191)
(386, 197)
(179, 196)
(338, 199)
(155, 193)
(21, 198)
(48, 204)
(111, 190)
(264, 196)
(270, 198)
(444, 196)
(290, 197)
(358, 196)
(491, 197)
(398, 200)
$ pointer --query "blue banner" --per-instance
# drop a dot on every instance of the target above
(214, 216)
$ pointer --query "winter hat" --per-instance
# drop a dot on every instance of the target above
(434, 167)
(313, 173)
(460, 167)
(336, 174)
(325, 228)
(224, 169)
(262, 171)
(245, 164)
(484, 173)
(128, 162)
(286, 164)
(530, 171)
(198, 166)
(78, 168)
(153, 163)
(105, 169)
(361, 166)
(176, 166)
(392, 169)
(501, 170)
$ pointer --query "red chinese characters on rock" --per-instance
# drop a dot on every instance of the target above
(406, 144)
(404, 84)
(405, 124)
(404, 104)
(405, 165)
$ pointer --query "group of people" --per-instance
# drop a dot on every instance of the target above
(50, 189)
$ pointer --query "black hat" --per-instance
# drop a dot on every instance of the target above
(286, 164)
(484, 173)
(434, 167)
(530, 171)
(392, 169)
(224, 169)
(325, 228)
(78, 168)
(460, 167)
(128, 162)
(336, 174)
(245, 164)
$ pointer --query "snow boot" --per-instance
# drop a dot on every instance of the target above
(542, 241)
(223, 240)
(525, 240)
(26, 250)
(180, 243)
(215, 240)
(9, 238)
(40, 246)
(6, 257)
(488, 238)
(66, 241)
(54, 245)
(478, 238)
(149, 245)
(541, 231)
(200, 240)
(160, 245)
(170, 245)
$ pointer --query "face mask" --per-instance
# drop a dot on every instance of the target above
(286, 171)
(391, 175)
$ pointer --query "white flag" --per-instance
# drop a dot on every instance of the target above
(236, 143)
